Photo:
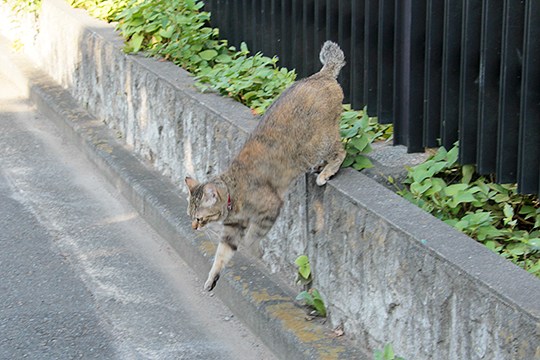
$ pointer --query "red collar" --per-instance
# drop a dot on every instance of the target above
(229, 202)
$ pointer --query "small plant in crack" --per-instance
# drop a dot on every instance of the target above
(310, 296)
(386, 354)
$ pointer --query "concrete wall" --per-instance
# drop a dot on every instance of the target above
(389, 272)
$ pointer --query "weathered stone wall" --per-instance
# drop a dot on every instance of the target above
(389, 272)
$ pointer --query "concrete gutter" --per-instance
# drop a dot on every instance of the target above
(389, 272)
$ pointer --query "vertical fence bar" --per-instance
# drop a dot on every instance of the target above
(258, 34)
(266, 37)
(409, 74)
(251, 29)
(227, 30)
(370, 55)
(356, 59)
(433, 72)
(529, 153)
(319, 25)
(247, 16)
(275, 19)
(450, 72)
(416, 93)
(508, 129)
(385, 55)
(468, 92)
(238, 19)
(286, 41)
(400, 76)
(490, 66)
(344, 40)
(297, 36)
(234, 29)
(332, 13)
(308, 29)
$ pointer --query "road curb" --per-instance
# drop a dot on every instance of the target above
(253, 295)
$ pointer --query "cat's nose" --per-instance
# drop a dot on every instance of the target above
(195, 225)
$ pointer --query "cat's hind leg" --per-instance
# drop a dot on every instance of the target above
(225, 251)
(333, 162)
(263, 217)
(258, 229)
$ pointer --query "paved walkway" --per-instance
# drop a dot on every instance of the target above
(81, 275)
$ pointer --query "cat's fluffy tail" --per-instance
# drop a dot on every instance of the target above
(332, 58)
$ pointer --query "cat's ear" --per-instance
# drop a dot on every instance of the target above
(191, 184)
(210, 194)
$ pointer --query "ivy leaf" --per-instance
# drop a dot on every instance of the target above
(517, 249)
(461, 197)
(453, 190)
(302, 260)
(360, 142)
(208, 54)
(244, 48)
(527, 210)
(136, 21)
(420, 175)
(452, 156)
(535, 243)
(167, 33)
(223, 58)
(501, 198)
(388, 352)
(306, 297)
(440, 154)
(349, 160)
(420, 188)
(535, 269)
(488, 232)
(350, 132)
(364, 121)
(318, 302)
(362, 162)
(304, 268)
(437, 184)
(135, 42)
(468, 172)
(508, 211)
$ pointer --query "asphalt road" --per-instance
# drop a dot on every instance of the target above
(81, 274)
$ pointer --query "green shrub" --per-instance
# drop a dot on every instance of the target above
(253, 80)
(101, 9)
(495, 215)
(358, 131)
(179, 31)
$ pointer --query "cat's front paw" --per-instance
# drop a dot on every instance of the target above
(321, 180)
(210, 284)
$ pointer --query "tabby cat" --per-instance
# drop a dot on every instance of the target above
(298, 132)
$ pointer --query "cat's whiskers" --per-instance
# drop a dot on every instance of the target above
(211, 233)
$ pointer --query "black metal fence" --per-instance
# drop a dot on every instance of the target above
(440, 70)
